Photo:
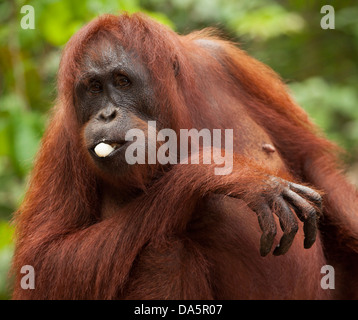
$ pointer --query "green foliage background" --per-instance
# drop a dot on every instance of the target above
(320, 66)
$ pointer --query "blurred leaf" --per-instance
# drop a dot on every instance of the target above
(5, 11)
(22, 133)
(6, 233)
(268, 22)
(6, 252)
(332, 107)
(161, 18)
(58, 23)
(26, 140)
(4, 137)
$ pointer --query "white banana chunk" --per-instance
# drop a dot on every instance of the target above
(103, 149)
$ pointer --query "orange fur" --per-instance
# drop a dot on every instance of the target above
(185, 236)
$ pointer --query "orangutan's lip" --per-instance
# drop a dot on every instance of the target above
(106, 148)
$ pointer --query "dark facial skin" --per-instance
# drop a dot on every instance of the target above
(112, 95)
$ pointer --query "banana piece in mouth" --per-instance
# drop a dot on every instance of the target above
(103, 149)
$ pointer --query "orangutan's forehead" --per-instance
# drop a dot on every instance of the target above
(104, 54)
(107, 55)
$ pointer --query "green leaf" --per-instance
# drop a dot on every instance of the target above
(26, 139)
(57, 23)
(4, 137)
(268, 22)
(6, 233)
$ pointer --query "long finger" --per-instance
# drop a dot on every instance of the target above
(268, 227)
(308, 193)
(288, 224)
(305, 213)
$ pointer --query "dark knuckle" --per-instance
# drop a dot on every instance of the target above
(293, 230)
(312, 213)
(318, 197)
(271, 233)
